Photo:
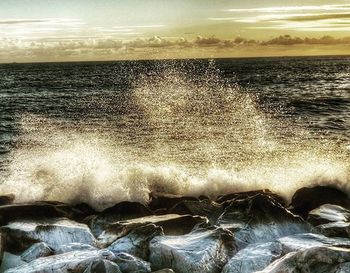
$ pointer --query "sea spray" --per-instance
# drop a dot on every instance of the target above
(178, 133)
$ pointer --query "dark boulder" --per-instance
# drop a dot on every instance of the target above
(206, 208)
(328, 213)
(130, 264)
(253, 258)
(334, 229)
(29, 211)
(122, 211)
(172, 224)
(36, 251)
(102, 266)
(311, 260)
(7, 199)
(244, 195)
(75, 261)
(164, 202)
(306, 199)
(21, 235)
(137, 241)
(260, 218)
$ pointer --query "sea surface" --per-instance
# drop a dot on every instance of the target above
(102, 132)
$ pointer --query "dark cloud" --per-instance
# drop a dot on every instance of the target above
(289, 40)
(317, 17)
(21, 21)
(202, 41)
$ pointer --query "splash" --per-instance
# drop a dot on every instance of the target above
(179, 131)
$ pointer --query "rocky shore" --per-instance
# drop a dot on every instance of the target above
(239, 232)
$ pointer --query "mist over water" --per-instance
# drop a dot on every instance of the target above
(176, 130)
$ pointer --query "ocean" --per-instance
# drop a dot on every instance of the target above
(103, 132)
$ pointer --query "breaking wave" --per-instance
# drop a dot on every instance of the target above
(172, 132)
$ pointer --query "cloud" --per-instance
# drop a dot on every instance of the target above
(202, 41)
(21, 21)
(299, 18)
(317, 17)
(289, 40)
(153, 47)
(285, 9)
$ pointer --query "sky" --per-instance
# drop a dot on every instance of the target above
(84, 30)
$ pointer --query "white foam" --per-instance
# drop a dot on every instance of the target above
(190, 136)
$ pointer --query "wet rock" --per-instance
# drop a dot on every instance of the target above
(75, 261)
(102, 266)
(341, 268)
(244, 195)
(74, 247)
(165, 270)
(306, 199)
(137, 241)
(206, 208)
(307, 240)
(336, 229)
(172, 224)
(2, 246)
(328, 213)
(36, 251)
(81, 211)
(312, 260)
(10, 261)
(260, 218)
(119, 212)
(163, 201)
(201, 251)
(254, 258)
(30, 211)
(130, 264)
(53, 232)
(6, 199)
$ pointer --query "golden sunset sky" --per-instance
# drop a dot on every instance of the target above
(83, 30)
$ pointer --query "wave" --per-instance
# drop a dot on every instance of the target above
(181, 132)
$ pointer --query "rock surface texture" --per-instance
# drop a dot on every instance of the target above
(236, 233)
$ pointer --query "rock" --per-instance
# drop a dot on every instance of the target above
(336, 229)
(328, 213)
(53, 232)
(254, 258)
(172, 224)
(82, 211)
(244, 195)
(260, 218)
(165, 270)
(201, 251)
(75, 261)
(311, 260)
(36, 251)
(303, 241)
(341, 268)
(10, 260)
(119, 212)
(164, 201)
(137, 241)
(30, 211)
(130, 264)
(102, 266)
(74, 247)
(6, 199)
(306, 199)
(206, 208)
(2, 246)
